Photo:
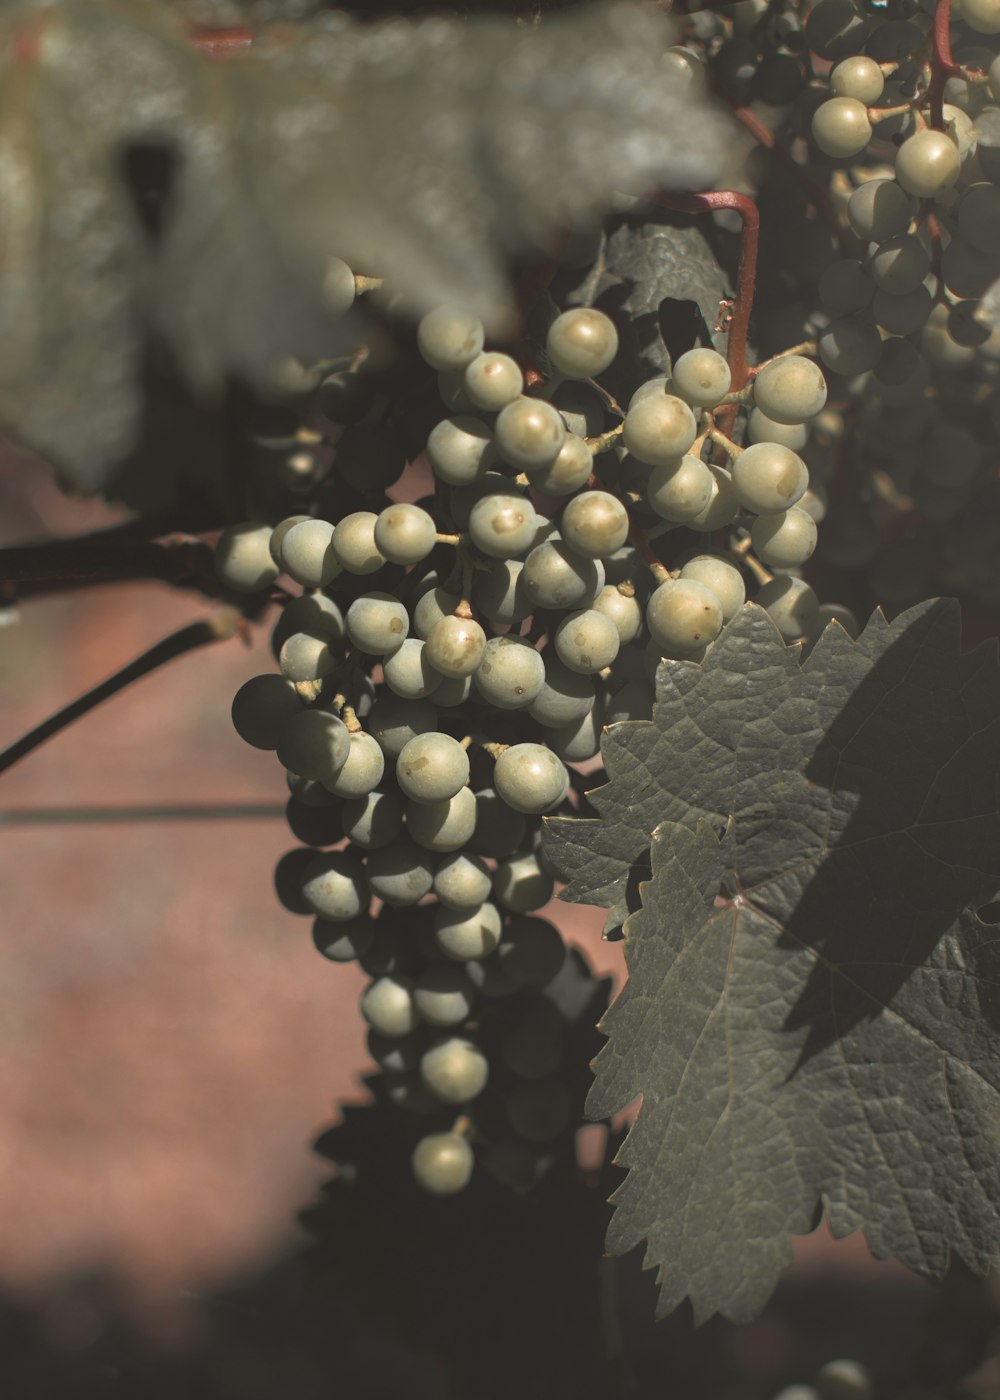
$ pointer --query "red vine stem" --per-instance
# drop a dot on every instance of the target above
(220, 43)
(943, 65)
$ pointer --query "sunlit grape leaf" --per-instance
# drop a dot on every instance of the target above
(425, 151)
(813, 1005)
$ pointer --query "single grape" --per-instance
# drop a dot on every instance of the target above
(565, 698)
(680, 489)
(701, 377)
(683, 616)
(463, 498)
(455, 1070)
(840, 127)
(455, 646)
(928, 164)
(467, 934)
(594, 524)
(659, 429)
(496, 593)
(361, 770)
(791, 605)
(432, 767)
(314, 744)
(814, 502)
(493, 380)
(555, 576)
(574, 743)
(462, 881)
(333, 886)
(377, 623)
(262, 707)
(442, 1163)
(373, 820)
(400, 874)
(460, 449)
(859, 77)
(790, 389)
(582, 342)
(723, 506)
(901, 315)
(760, 428)
(586, 641)
(521, 885)
(304, 657)
(343, 942)
(851, 344)
(528, 433)
(900, 264)
(984, 17)
(531, 778)
(618, 603)
(393, 722)
(408, 673)
(769, 477)
(307, 554)
(448, 337)
(784, 538)
(280, 531)
(880, 209)
(354, 543)
(844, 1379)
(539, 1109)
(844, 286)
(723, 578)
(444, 995)
(499, 829)
(503, 527)
(388, 1006)
(433, 604)
(511, 673)
(242, 557)
(652, 388)
(313, 613)
(836, 28)
(404, 533)
(571, 469)
(443, 826)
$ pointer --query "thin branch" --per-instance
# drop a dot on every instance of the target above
(175, 812)
(943, 65)
(60, 565)
(219, 626)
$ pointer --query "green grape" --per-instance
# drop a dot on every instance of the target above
(586, 641)
(460, 450)
(497, 593)
(539, 1109)
(442, 1163)
(493, 380)
(432, 767)
(305, 658)
(836, 28)
(701, 377)
(377, 623)
(528, 433)
(983, 16)
(309, 792)
(618, 603)
(575, 743)
(532, 951)
(503, 527)
(467, 934)
(455, 1070)
(843, 1379)
(262, 707)
(393, 722)
(582, 342)
(594, 524)
(511, 673)
(844, 286)
(555, 576)
(314, 744)
(448, 337)
(791, 605)
(571, 468)
(463, 498)
(531, 778)
(760, 428)
(374, 820)
(499, 829)
(814, 502)
(902, 315)
(521, 885)
(659, 429)
(723, 506)
(408, 673)
(928, 164)
(361, 770)
(683, 616)
(533, 1046)
(723, 578)
(400, 874)
(880, 209)
(354, 543)
(680, 489)
(566, 696)
(463, 881)
(431, 607)
(314, 613)
(790, 389)
(769, 477)
(859, 77)
(900, 264)
(443, 826)
(242, 557)
(455, 646)
(388, 1006)
(343, 942)
(280, 531)
(307, 554)
(333, 886)
(404, 533)
(851, 344)
(339, 287)
(686, 67)
(444, 995)
(785, 538)
(840, 127)
(652, 388)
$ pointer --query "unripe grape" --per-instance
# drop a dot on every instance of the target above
(791, 605)
(901, 315)
(582, 342)
(467, 934)
(769, 477)
(388, 1006)
(722, 577)
(586, 641)
(840, 127)
(455, 1070)
(521, 885)
(308, 555)
(503, 526)
(443, 826)
(683, 615)
(354, 543)
(400, 874)
(455, 646)
(460, 449)
(680, 488)
(361, 770)
(594, 524)
(377, 623)
(555, 576)
(404, 533)
(529, 433)
(859, 77)
(851, 345)
(511, 673)
(444, 995)
(900, 264)
(879, 209)
(343, 942)
(622, 608)
(280, 531)
(333, 886)
(928, 164)
(432, 767)
(262, 706)
(462, 881)
(701, 377)
(723, 504)
(242, 557)
(570, 470)
(530, 778)
(658, 429)
(760, 428)
(493, 380)
(982, 15)
(374, 820)
(314, 744)
(448, 338)
(442, 1163)
(790, 389)
(784, 539)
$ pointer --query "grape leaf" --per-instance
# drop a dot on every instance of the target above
(424, 151)
(813, 1004)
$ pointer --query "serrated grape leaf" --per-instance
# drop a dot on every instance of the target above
(424, 151)
(812, 1009)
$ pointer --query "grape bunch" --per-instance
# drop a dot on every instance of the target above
(450, 663)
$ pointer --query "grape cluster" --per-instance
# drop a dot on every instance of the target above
(450, 662)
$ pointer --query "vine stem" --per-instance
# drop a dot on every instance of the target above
(943, 65)
(106, 556)
(765, 137)
(219, 626)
